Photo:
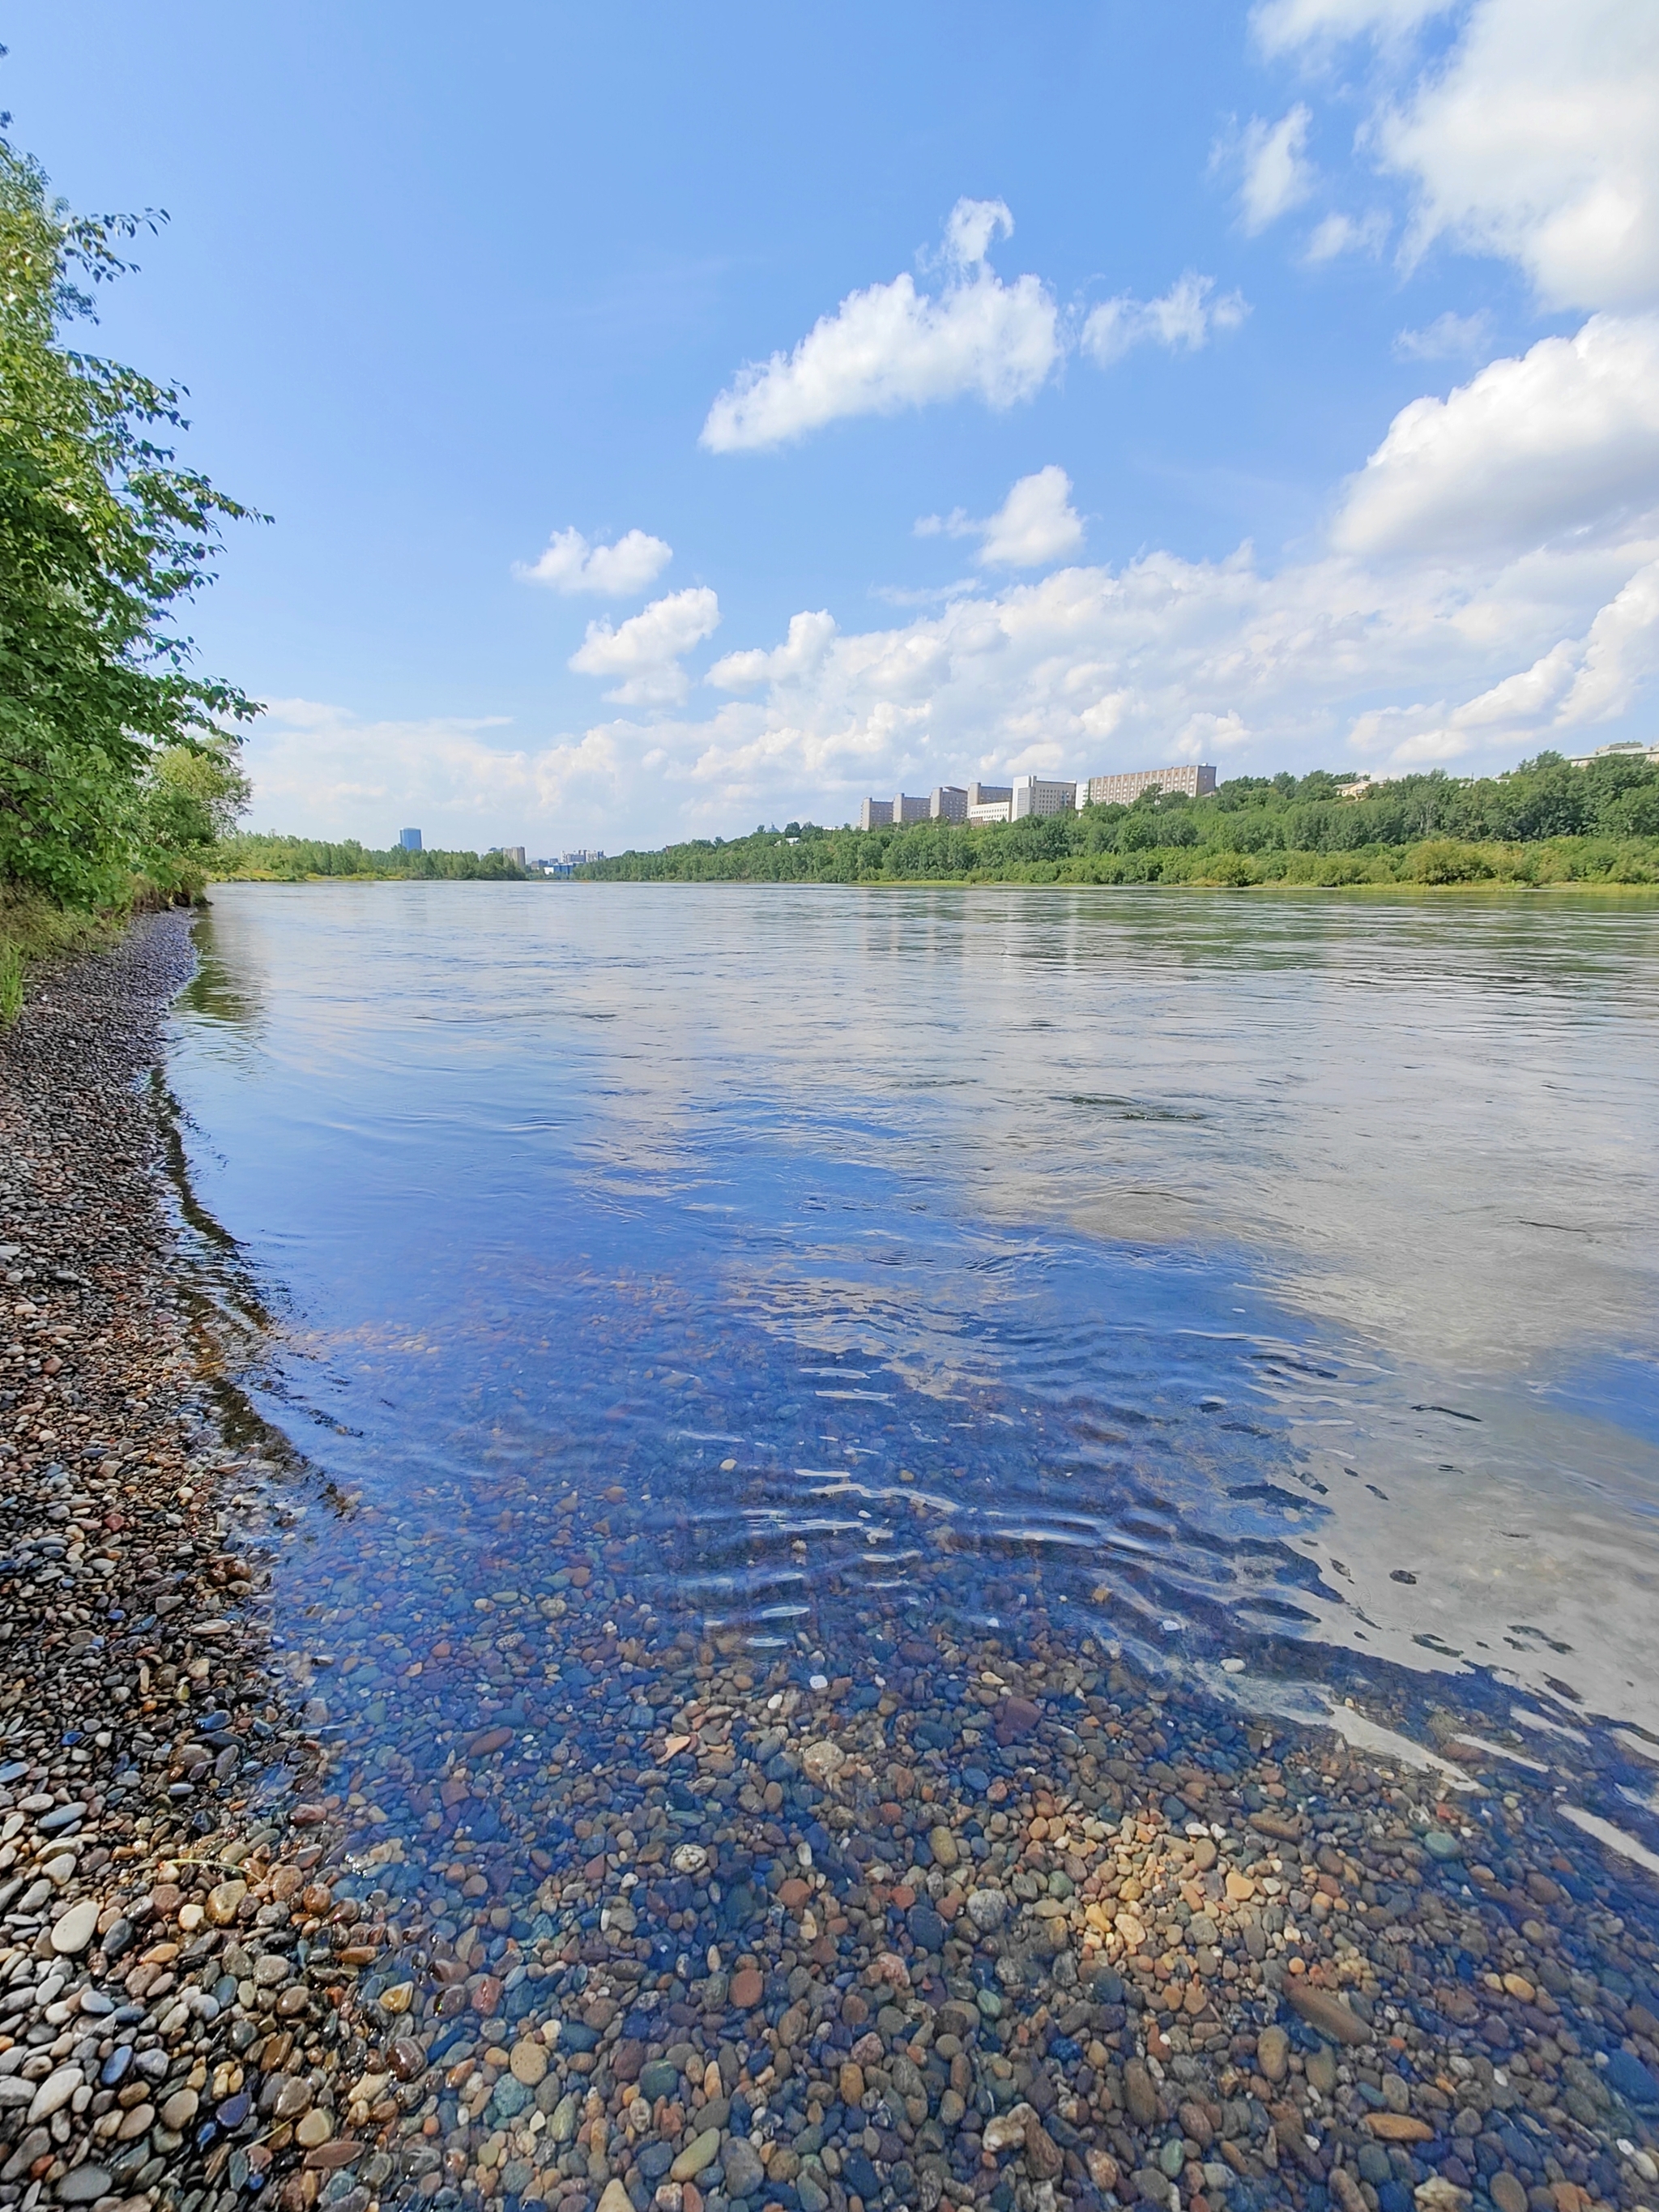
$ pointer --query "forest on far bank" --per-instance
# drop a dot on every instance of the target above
(1544, 822)
(262, 857)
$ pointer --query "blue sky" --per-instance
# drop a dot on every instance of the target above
(1272, 387)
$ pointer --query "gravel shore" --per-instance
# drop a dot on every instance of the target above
(944, 1921)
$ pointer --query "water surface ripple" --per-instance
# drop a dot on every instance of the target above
(1241, 1275)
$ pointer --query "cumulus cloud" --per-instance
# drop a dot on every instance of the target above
(570, 563)
(321, 769)
(1449, 337)
(892, 347)
(801, 653)
(644, 651)
(1273, 171)
(1536, 139)
(1185, 316)
(1035, 525)
(1562, 440)
(1539, 142)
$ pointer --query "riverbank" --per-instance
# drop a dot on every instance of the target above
(960, 1917)
(916, 858)
(133, 1703)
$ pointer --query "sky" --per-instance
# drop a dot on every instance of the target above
(675, 420)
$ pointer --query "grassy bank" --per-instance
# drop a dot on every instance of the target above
(34, 928)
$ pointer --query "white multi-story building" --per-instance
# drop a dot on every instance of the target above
(1124, 790)
(1632, 748)
(1036, 795)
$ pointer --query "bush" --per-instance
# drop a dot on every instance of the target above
(1444, 860)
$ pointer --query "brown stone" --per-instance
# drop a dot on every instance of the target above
(330, 2157)
(406, 2058)
(1140, 2095)
(488, 1740)
(1507, 2193)
(1042, 2153)
(746, 1986)
(794, 1894)
(1398, 2127)
(1014, 1719)
(528, 2060)
(1325, 2013)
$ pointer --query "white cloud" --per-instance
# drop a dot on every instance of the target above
(1447, 337)
(1566, 439)
(1489, 584)
(1536, 139)
(1184, 316)
(323, 771)
(1283, 25)
(1345, 233)
(891, 347)
(1539, 142)
(644, 651)
(1274, 173)
(570, 563)
(810, 638)
(1035, 525)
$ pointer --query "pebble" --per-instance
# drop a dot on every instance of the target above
(73, 1930)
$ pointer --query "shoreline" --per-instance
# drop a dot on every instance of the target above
(1574, 888)
(1066, 1937)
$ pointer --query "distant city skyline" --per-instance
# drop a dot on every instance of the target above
(718, 419)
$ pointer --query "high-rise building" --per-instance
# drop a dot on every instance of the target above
(514, 853)
(1036, 795)
(410, 840)
(948, 804)
(906, 809)
(876, 814)
(1124, 790)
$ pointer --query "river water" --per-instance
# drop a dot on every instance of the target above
(1235, 1277)
(771, 1412)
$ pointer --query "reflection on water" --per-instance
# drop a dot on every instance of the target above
(1232, 1274)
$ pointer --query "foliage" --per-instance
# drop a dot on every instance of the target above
(260, 857)
(1544, 822)
(103, 537)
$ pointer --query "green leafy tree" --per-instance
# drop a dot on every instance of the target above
(104, 539)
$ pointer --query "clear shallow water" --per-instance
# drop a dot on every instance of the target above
(1229, 1275)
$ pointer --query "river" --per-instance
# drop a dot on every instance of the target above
(765, 1409)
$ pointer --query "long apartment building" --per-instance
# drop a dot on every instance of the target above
(1031, 795)
(1124, 790)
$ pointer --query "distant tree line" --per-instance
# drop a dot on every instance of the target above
(1546, 821)
(257, 857)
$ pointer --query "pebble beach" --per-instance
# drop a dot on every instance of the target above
(925, 1915)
